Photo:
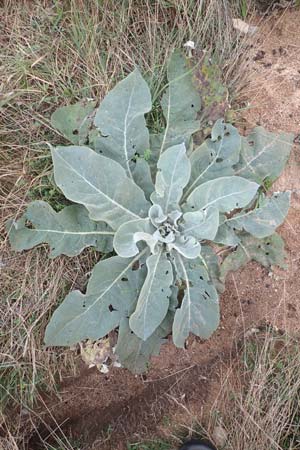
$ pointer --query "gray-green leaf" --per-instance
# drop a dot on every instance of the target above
(201, 224)
(142, 177)
(173, 174)
(111, 295)
(211, 263)
(130, 233)
(98, 183)
(153, 301)
(74, 121)
(121, 123)
(216, 156)
(133, 352)
(67, 232)
(262, 221)
(180, 103)
(226, 194)
(263, 155)
(199, 311)
(268, 251)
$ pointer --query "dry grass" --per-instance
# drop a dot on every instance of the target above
(260, 396)
(54, 53)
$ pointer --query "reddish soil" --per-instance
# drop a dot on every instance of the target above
(106, 411)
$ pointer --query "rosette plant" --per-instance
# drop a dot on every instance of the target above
(162, 205)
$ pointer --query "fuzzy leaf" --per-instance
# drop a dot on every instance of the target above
(130, 233)
(74, 121)
(67, 232)
(268, 251)
(142, 177)
(211, 263)
(173, 174)
(263, 155)
(262, 221)
(187, 246)
(208, 80)
(181, 104)
(199, 312)
(133, 352)
(226, 235)
(226, 194)
(111, 295)
(90, 179)
(121, 123)
(153, 301)
(201, 224)
(216, 156)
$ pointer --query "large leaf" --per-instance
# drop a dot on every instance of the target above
(111, 295)
(173, 174)
(121, 123)
(268, 251)
(153, 301)
(215, 157)
(130, 233)
(67, 232)
(226, 194)
(180, 103)
(142, 177)
(226, 234)
(262, 221)
(263, 155)
(74, 121)
(201, 224)
(134, 353)
(98, 183)
(187, 246)
(199, 310)
(208, 80)
(211, 263)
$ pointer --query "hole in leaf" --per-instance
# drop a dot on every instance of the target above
(192, 105)
(167, 272)
(111, 308)
(162, 290)
(237, 204)
(124, 279)
(201, 277)
(268, 243)
(227, 133)
(218, 160)
(251, 143)
(193, 207)
(267, 253)
(75, 132)
(131, 332)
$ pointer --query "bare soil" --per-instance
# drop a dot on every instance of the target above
(106, 411)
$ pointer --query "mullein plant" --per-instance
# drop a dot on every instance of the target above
(161, 206)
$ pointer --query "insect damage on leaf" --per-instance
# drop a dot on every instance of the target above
(158, 202)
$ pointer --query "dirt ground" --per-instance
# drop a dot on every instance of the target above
(106, 411)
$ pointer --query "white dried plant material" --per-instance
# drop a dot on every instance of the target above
(243, 27)
(95, 354)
